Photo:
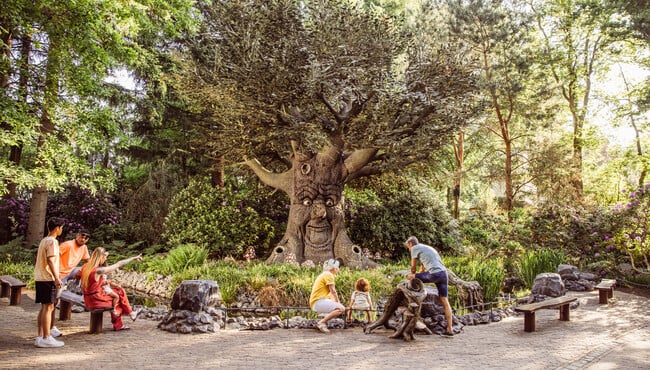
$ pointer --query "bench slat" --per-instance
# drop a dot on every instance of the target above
(548, 303)
(529, 310)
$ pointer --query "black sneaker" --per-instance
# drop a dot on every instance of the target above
(446, 335)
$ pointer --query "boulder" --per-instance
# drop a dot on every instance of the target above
(196, 295)
(568, 272)
(549, 284)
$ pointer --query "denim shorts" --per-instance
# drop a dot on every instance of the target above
(439, 278)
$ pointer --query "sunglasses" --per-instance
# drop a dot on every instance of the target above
(85, 236)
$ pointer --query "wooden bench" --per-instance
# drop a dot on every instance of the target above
(529, 310)
(605, 290)
(67, 299)
(12, 288)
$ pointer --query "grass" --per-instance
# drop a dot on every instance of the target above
(283, 284)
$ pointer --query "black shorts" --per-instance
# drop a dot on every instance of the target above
(45, 292)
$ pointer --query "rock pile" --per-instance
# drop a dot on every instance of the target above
(195, 307)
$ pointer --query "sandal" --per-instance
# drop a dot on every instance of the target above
(322, 327)
(123, 328)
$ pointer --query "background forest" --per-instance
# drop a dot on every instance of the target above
(499, 129)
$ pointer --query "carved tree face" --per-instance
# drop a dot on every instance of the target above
(318, 188)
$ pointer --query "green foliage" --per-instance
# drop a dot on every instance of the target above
(83, 210)
(220, 220)
(21, 270)
(14, 251)
(577, 230)
(534, 262)
(632, 231)
(489, 273)
(394, 208)
(183, 257)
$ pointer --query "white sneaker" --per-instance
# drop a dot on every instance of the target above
(55, 332)
(37, 341)
(49, 342)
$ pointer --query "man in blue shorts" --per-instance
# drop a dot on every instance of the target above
(432, 271)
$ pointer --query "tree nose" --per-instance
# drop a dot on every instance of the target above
(318, 211)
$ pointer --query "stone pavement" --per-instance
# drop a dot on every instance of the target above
(613, 336)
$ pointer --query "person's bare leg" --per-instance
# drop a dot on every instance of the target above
(44, 320)
(336, 313)
(116, 300)
(448, 315)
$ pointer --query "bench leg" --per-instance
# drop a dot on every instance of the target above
(565, 310)
(603, 294)
(529, 321)
(4, 292)
(96, 322)
(65, 310)
(16, 293)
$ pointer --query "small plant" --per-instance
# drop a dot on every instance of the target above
(179, 259)
(532, 263)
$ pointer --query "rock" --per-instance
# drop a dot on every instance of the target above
(196, 295)
(568, 272)
(549, 284)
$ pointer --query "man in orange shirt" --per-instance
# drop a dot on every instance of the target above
(72, 252)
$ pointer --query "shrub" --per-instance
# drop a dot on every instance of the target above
(14, 251)
(383, 216)
(632, 229)
(15, 216)
(489, 273)
(534, 262)
(180, 258)
(82, 209)
(220, 220)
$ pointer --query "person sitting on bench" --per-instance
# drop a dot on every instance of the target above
(92, 281)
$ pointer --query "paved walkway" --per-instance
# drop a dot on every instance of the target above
(613, 336)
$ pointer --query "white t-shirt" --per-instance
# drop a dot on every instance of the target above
(360, 300)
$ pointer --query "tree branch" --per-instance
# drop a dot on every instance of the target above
(280, 181)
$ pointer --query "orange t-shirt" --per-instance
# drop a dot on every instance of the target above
(71, 255)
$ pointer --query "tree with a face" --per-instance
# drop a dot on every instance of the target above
(324, 92)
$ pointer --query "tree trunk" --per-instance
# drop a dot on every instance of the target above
(315, 228)
(38, 207)
(458, 176)
(217, 175)
(409, 294)
(469, 291)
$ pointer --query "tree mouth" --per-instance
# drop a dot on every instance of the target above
(318, 235)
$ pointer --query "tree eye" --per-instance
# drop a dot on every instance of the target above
(306, 202)
(329, 203)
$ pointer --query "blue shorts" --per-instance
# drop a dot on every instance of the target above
(439, 278)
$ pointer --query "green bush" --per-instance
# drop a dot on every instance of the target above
(21, 270)
(180, 258)
(381, 217)
(534, 262)
(489, 273)
(220, 220)
(14, 251)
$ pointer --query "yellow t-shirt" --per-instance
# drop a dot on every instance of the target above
(48, 247)
(321, 288)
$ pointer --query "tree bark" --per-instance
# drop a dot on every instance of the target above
(316, 227)
(38, 206)
(409, 294)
